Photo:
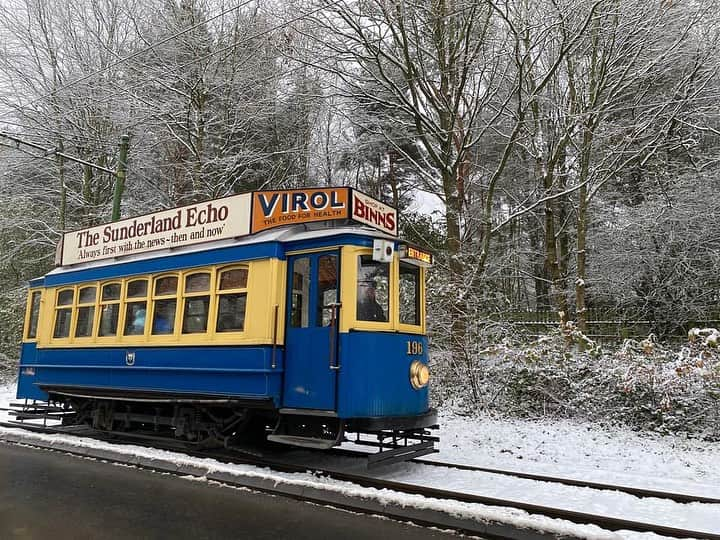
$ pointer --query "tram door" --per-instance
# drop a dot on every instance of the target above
(312, 331)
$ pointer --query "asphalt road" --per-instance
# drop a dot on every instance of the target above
(50, 495)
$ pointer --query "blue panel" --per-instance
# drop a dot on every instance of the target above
(172, 262)
(330, 241)
(241, 372)
(374, 377)
(26, 374)
(310, 383)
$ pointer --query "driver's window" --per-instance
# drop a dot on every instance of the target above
(373, 290)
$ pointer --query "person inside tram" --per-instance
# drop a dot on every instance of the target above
(138, 324)
(368, 308)
(164, 318)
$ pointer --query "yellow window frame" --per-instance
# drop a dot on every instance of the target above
(120, 318)
(349, 280)
(76, 313)
(218, 293)
(56, 310)
(28, 315)
(125, 300)
(154, 298)
(210, 292)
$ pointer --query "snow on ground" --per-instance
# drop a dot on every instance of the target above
(565, 448)
(576, 450)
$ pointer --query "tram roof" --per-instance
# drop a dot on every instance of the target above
(284, 239)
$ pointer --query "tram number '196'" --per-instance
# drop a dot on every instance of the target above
(414, 347)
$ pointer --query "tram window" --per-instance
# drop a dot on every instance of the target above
(34, 315)
(198, 283)
(164, 308)
(65, 298)
(63, 315)
(135, 312)
(195, 313)
(111, 291)
(327, 288)
(164, 317)
(109, 309)
(409, 294)
(300, 308)
(137, 288)
(234, 279)
(231, 300)
(373, 290)
(86, 312)
(231, 312)
(135, 318)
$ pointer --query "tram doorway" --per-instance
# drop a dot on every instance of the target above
(311, 346)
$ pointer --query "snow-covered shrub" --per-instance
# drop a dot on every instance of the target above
(643, 384)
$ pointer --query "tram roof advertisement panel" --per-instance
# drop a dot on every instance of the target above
(278, 208)
(219, 219)
(374, 213)
(203, 222)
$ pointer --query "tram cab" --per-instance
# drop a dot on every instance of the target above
(305, 310)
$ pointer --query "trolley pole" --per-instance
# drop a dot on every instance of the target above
(120, 173)
(120, 176)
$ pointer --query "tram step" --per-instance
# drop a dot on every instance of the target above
(307, 442)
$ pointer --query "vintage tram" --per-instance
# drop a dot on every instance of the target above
(297, 315)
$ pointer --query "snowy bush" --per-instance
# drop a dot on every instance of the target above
(643, 384)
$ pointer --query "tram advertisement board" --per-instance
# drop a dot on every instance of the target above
(278, 208)
(219, 219)
(203, 222)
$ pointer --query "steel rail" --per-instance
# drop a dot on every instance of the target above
(630, 490)
(606, 522)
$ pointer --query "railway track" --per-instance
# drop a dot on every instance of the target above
(274, 461)
(630, 490)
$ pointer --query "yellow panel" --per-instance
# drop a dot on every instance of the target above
(266, 290)
(348, 316)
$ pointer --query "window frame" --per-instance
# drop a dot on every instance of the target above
(217, 293)
(76, 311)
(392, 304)
(183, 297)
(350, 277)
(153, 298)
(27, 323)
(57, 308)
(125, 300)
(121, 312)
(418, 296)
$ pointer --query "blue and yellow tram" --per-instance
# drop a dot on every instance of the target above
(298, 311)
